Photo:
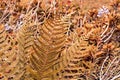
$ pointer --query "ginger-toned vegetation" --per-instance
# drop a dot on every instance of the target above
(59, 40)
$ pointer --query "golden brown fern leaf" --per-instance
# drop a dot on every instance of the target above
(9, 56)
(74, 59)
(25, 38)
(47, 48)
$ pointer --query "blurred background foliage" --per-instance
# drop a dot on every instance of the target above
(59, 39)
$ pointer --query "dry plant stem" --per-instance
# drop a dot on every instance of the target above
(52, 6)
(104, 76)
(115, 77)
(36, 19)
(29, 5)
(67, 15)
(81, 23)
(101, 70)
(54, 3)
(5, 12)
(112, 71)
(105, 30)
(5, 17)
(112, 31)
(49, 12)
(29, 14)
(108, 34)
(35, 11)
(84, 19)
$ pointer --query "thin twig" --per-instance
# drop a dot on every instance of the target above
(101, 71)
(108, 69)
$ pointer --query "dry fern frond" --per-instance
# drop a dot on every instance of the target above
(25, 37)
(37, 44)
(9, 56)
(47, 48)
(74, 59)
